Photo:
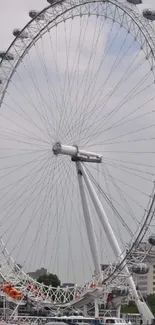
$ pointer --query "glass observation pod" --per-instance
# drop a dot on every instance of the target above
(86, 320)
(120, 291)
(18, 33)
(151, 240)
(35, 14)
(74, 320)
(52, 2)
(149, 14)
(140, 268)
(135, 2)
(6, 56)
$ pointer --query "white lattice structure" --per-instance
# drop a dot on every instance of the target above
(119, 272)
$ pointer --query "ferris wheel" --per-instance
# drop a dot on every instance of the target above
(77, 158)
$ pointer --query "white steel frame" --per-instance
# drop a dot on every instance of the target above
(82, 174)
(142, 30)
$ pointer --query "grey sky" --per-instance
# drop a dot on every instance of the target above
(14, 14)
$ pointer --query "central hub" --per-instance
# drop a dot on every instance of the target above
(59, 148)
(75, 153)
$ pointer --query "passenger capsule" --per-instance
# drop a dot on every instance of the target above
(149, 14)
(140, 268)
(18, 33)
(1, 81)
(120, 292)
(52, 2)
(151, 240)
(135, 2)
(6, 56)
(35, 14)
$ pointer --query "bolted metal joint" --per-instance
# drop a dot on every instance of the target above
(57, 148)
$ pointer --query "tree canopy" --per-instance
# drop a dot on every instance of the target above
(36, 274)
(49, 279)
(132, 308)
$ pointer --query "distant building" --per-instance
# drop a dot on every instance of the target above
(146, 282)
(104, 267)
(64, 285)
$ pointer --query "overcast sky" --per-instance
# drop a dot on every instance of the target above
(14, 14)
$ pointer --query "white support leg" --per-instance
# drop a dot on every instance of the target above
(113, 242)
(15, 312)
(89, 224)
(85, 311)
(119, 311)
(79, 156)
(96, 309)
(4, 307)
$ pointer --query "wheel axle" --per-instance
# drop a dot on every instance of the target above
(75, 153)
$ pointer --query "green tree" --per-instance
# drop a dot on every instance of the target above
(17, 267)
(49, 279)
(151, 300)
(131, 307)
(36, 274)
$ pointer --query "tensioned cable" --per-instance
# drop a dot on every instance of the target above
(111, 204)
